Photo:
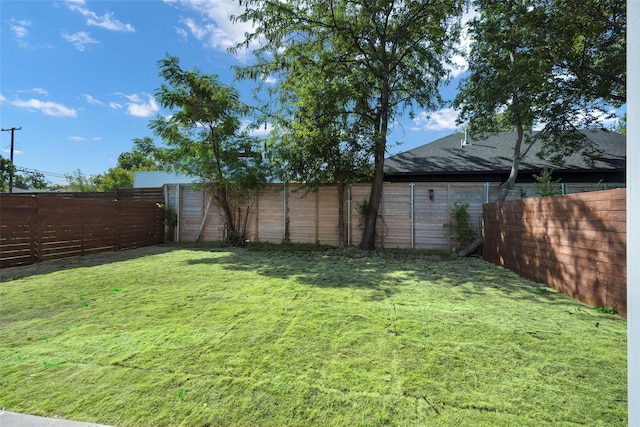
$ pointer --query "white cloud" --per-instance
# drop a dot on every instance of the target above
(269, 80)
(460, 64)
(216, 29)
(46, 107)
(83, 138)
(3, 99)
(91, 100)
(209, 34)
(263, 130)
(20, 30)
(40, 91)
(115, 105)
(139, 105)
(604, 119)
(106, 21)
(440, 120)
(79, 40)
(182, 33)
(15, 151)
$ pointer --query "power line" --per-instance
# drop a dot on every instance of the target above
(13, 129)
(54, 174)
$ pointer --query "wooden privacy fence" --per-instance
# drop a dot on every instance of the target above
(575, 243)
(137, 194)
(411, 215)
(34, 229)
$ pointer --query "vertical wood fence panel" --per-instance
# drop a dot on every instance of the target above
(302, 214)
(270, 215)
(431, 213)
(312, 217)
(328, 215)
(36, 229)
(574, 243)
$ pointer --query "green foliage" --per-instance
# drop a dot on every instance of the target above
(25, 179)
(30, 180)
(607, 310)
(460, 230)
(352, 67)
(545, 184)
(79, 182)
(543, 290)
(6, 170)
(115, 178)
(559, 64)
(203, 137)
(621, 125)
(363, 209)
(121, 176)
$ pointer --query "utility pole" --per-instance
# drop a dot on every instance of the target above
(11, 157)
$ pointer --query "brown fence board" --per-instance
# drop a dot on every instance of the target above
(574, 243)
(39, 228)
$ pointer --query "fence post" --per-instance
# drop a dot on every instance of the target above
(178, 213)
(285, 228)
(349, 216)
(413, 228)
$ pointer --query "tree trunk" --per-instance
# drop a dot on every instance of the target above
(471, 248)
(513, 174)
(368, 242)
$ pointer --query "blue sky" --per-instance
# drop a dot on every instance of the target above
(79, 76)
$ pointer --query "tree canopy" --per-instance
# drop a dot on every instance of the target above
(391, 54)
(121, 176)
(542, 63)
(204, 136)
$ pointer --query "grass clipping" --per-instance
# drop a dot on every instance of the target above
(205, 336)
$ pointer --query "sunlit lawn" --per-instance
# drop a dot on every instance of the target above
(208, 336)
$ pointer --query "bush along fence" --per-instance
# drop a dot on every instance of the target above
(39, 228)
(575, 244)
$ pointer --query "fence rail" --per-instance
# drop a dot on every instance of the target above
(137, 194)
(575, 244)
(34, 229)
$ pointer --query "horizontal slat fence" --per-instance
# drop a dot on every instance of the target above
(34, 229)
(574, 243)
(137, 194)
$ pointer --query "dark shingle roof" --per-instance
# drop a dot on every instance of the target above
(495, 152)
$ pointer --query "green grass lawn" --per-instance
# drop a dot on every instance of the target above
(262, 336)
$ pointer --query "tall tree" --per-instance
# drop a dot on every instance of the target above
(530, 65)
(392, 53)
(203, 137)
(555, 64)
(317, 138)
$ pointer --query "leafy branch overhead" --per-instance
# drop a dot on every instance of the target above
(386, 56)
(556, 65)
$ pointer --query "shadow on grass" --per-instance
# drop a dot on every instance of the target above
(102, 258)
(385, 271)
